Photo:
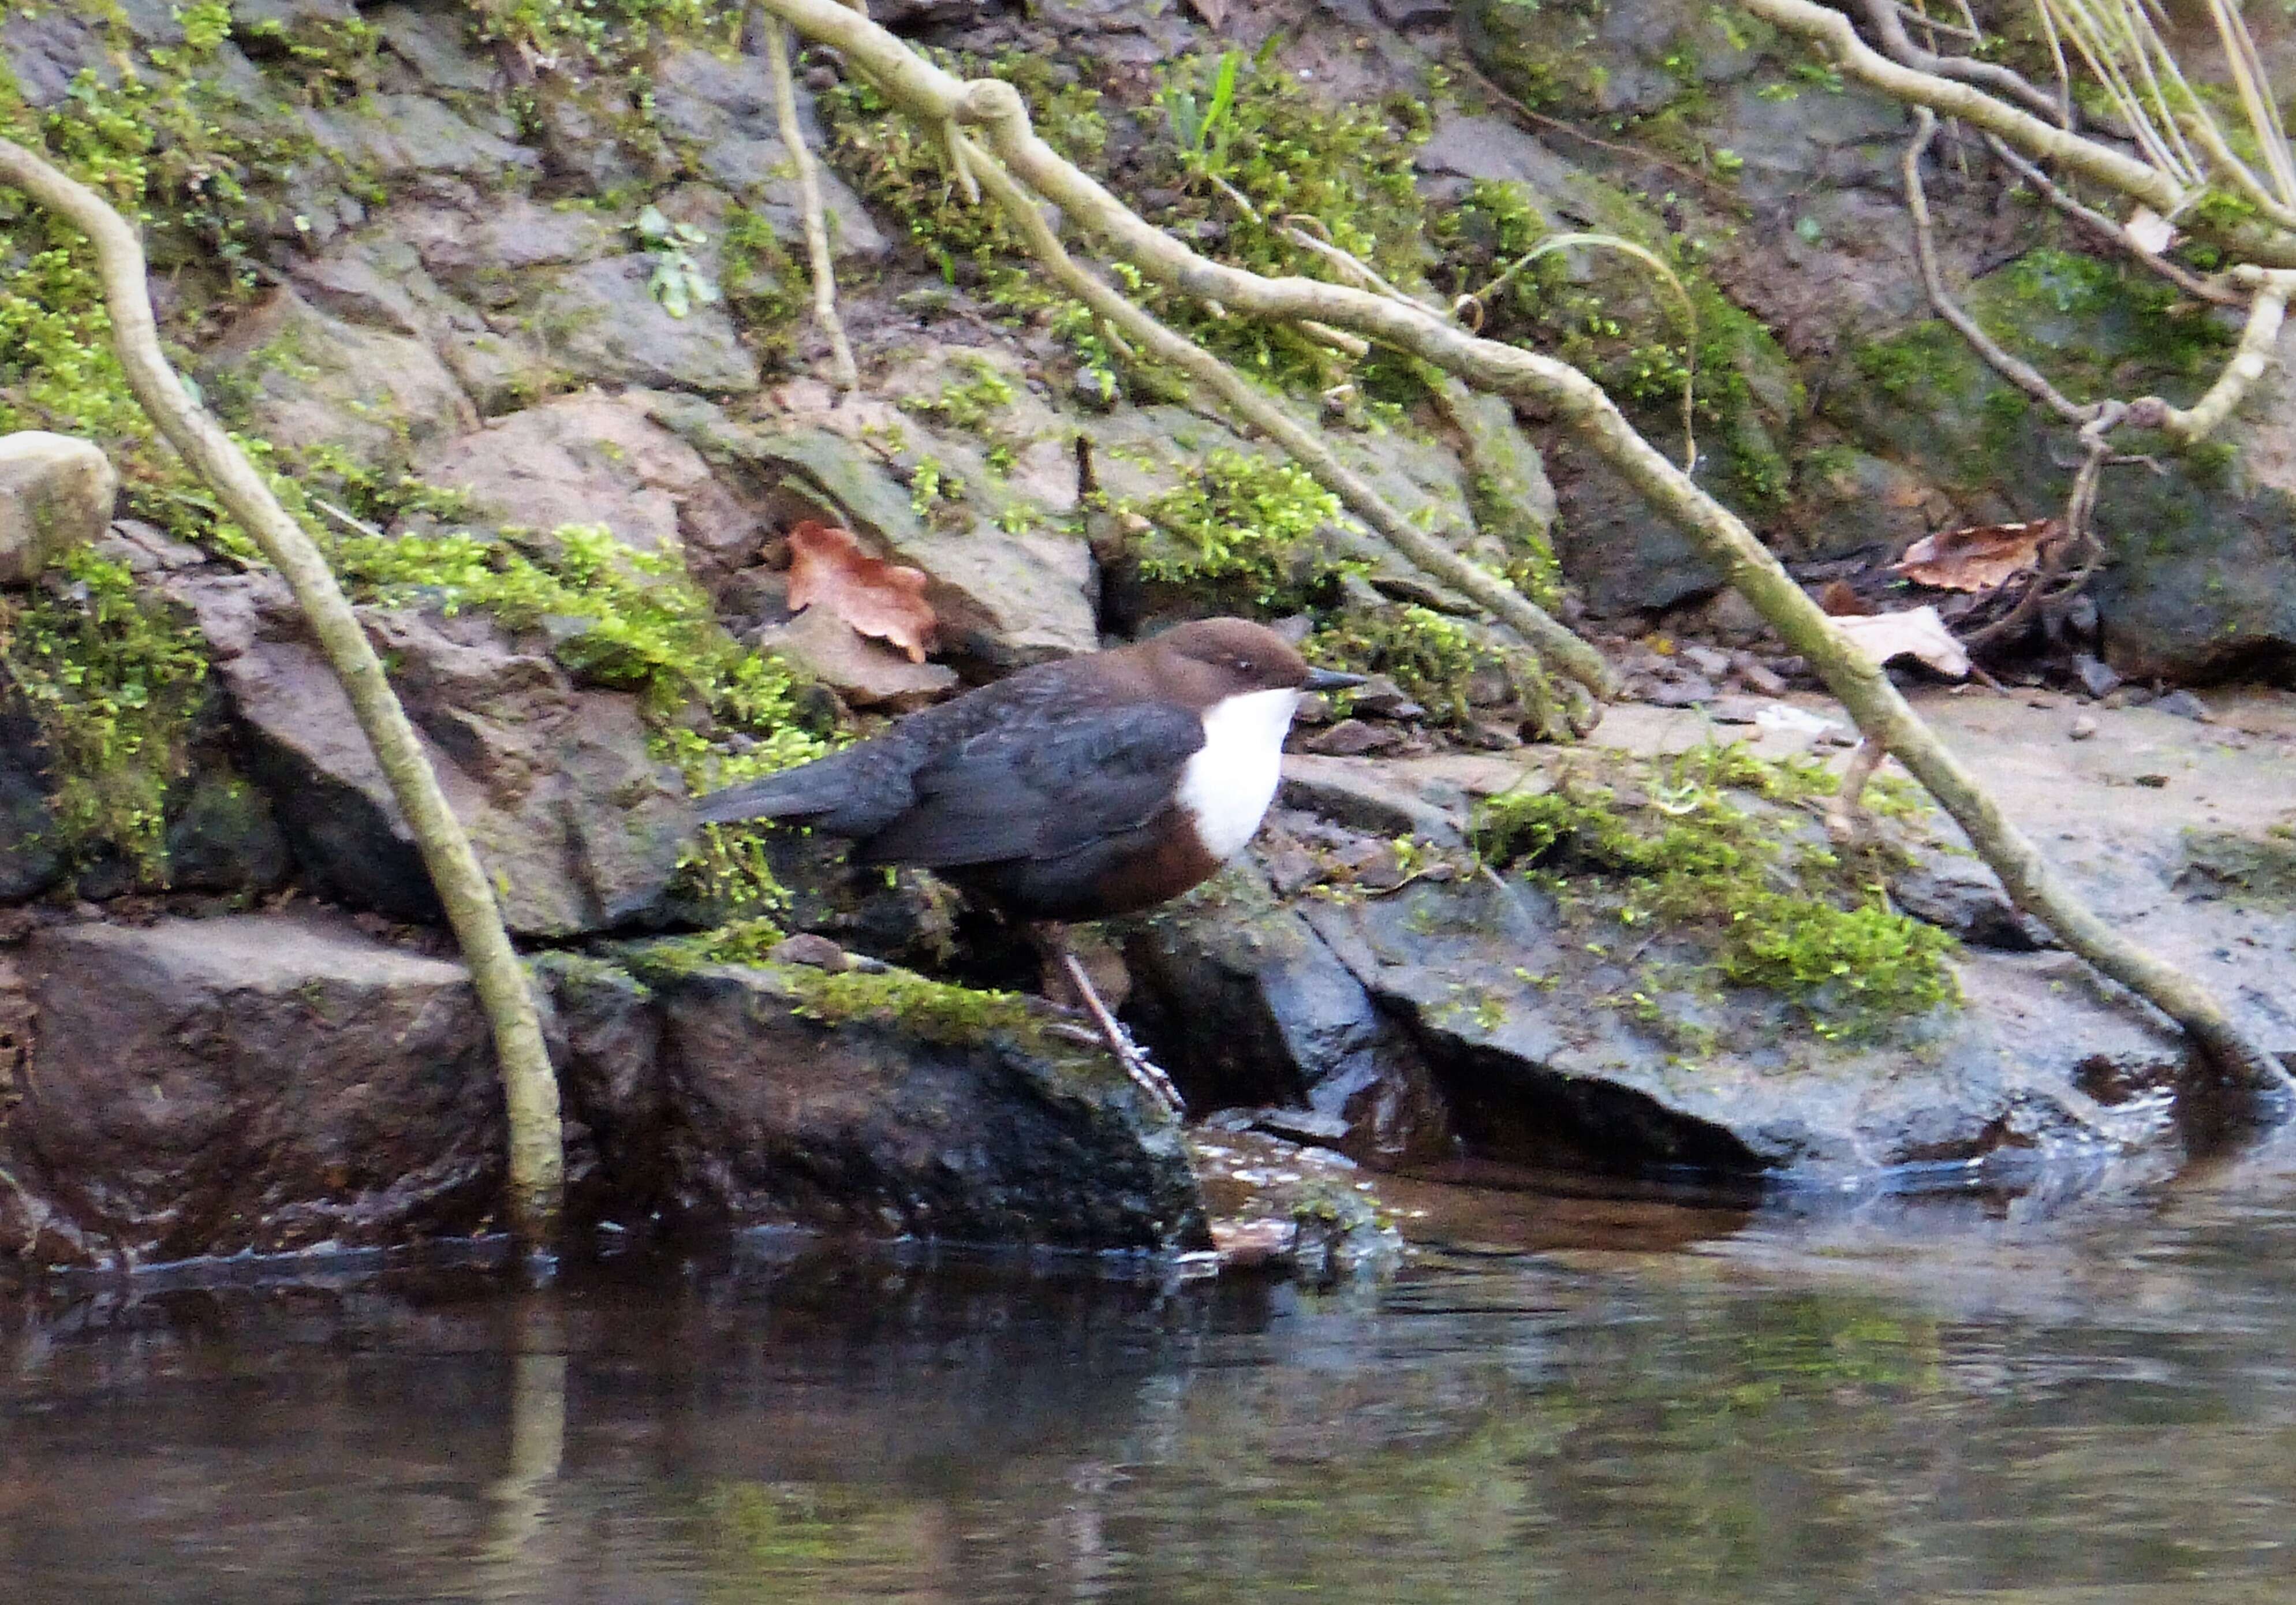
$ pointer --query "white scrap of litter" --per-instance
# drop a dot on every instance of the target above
(2150, 230)
(1915, 632)
(1787, 719)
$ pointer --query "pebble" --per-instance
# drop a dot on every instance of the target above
(2084, 727)
(2184, 705)
(813, 952)
(2095, 677)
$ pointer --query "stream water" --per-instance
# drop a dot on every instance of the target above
(2083, 1393)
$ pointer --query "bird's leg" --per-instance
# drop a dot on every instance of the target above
(1145, 1075)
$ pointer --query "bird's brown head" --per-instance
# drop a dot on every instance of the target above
(1205, 661)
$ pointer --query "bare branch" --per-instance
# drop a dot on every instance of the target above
(2254, 354)
(530, 1086)
(1551, 640)
(2014, 369)
(2270, 246)
(1889, 27)
(817, 227)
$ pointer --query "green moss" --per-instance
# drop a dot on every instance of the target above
(1245, 532)
(616, 617)
(112, 678)
(968, 403)
(935, 1011)
(1775, 910)
(1430, 656)
(1927, 361)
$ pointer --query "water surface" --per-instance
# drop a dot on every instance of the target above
(2082, 1394)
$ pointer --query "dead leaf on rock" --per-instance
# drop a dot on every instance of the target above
(1983, 557)
(1916, 633)
(828, 565)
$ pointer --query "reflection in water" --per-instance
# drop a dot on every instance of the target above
(1886, 1399)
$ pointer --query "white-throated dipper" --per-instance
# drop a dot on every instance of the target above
(1095, 786)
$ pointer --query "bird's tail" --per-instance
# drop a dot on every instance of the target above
(800, 793)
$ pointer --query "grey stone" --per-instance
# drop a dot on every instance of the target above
(866, 672)
(592, 459)
(303, 379)
(599, 320)
(1246, 1005)
(435, 42)
(56, 492)
(412, 136)
(581, 826)
(31, 860)
(255, 1082)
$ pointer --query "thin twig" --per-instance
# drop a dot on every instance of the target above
(2014, 369)
(2115, 233)
(809, 193)
(2250, 359)
(1847, 821)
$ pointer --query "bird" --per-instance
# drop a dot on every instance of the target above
(1093, 786)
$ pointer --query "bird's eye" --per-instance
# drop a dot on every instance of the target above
(1243, 666)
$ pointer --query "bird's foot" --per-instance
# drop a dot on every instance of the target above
(1128, 1053)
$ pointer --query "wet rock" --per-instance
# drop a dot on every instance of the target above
(580, 825)
(1960, 895)
(56, 492)
(303, 379)
(1497, 1000)
(1247, 1005)
(213, 1086)
(2096, 678)
(592, 459)
(1351, 738)
(881, 1104)
(1368, 796)
(1277, 1206)
(31, 860)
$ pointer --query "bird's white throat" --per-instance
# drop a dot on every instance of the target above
(1231, 779)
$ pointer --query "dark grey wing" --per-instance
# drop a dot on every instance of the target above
(847, 793)
(1043, 789)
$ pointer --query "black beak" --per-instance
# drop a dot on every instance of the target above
(1330, 679)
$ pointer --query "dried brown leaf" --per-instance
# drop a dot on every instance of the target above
(1983, 557)
(1838, 599)
(1916, 633)
(828, 565)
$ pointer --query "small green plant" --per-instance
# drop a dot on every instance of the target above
(1202, 132)
(677, 283)
(112, 680)
(1245, 530)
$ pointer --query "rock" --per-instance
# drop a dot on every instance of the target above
(31, 859)
(2096, 678)
(891, 1105)
(591, 459)
(56, 492)
(256, 1084)
(601, 321)
(1246, 1005)
(721, 112)
(1960, 895)
(1004, 599)
(406, 136)
(305, 380)
(1352, 738)
(866, 672)
(2084, 727)
(581, 827)
(2184, 705)
(1279, 1206)
(1498, 1003)
(1366, 795)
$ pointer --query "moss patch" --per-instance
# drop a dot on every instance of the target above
(1709, 845)
(112, 678)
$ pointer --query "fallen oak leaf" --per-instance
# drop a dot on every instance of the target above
(1983, 557)
(1915, 632)
(828, 565)
(1839, 599)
